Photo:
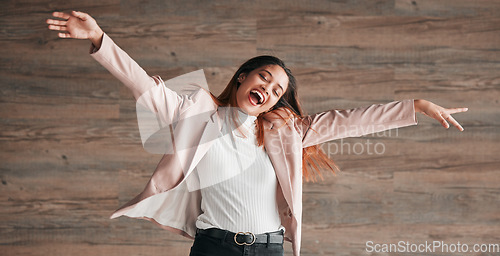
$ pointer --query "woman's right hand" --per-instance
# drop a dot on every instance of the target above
(77, 25)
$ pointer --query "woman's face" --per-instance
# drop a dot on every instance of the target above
(261, 89)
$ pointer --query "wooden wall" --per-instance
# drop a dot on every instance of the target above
(70, 150)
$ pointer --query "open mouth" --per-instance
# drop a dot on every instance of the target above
(256, 97)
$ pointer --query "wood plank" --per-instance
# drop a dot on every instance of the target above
(52, 111)
(326, 39)
(391, 32)
(325, 7)
(446, 8)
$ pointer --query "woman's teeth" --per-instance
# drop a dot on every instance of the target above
(260, 98)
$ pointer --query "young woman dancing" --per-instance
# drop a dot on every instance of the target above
(237, 205)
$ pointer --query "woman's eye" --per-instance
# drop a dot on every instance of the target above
(276, 92)
(263, 77)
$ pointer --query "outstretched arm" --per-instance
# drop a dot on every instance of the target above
(80, 25)
(77, 25)
(439, 113)
(150, 92)
(337, 124)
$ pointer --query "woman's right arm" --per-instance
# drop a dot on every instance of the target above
(157, 106)
(80, 25)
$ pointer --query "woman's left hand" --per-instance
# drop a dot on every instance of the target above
(439, 113)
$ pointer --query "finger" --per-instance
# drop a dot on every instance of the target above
(443, 122)
(57, 22)
(80, 15)
(455, 123)
(456, 110)
(61, 15)
(64, 35)
(54, 27)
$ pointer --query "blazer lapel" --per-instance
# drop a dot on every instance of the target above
(273, 144)
(208, 136)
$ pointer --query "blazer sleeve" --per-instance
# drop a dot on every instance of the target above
(123, 67)
(337, 124)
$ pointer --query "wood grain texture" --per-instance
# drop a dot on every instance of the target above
(70, 150)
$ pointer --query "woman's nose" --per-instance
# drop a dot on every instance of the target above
(264, 88)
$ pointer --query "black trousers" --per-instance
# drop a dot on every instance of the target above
(208, 246)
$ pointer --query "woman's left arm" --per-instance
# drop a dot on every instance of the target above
(439, 113)
(337, 124)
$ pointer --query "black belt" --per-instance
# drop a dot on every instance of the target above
(243, 238)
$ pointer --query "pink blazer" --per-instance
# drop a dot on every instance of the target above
(167, 199)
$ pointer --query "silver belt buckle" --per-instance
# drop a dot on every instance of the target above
(244, 233)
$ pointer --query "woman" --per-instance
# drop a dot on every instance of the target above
(234, 205)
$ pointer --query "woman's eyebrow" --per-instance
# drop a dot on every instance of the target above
(272, 76)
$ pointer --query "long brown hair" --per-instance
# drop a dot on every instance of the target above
(313, 157)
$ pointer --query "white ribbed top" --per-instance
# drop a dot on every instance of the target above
(238, 183)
